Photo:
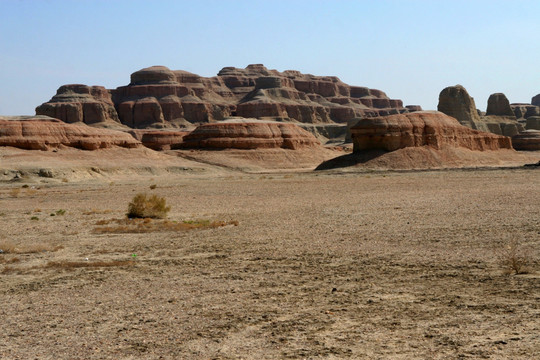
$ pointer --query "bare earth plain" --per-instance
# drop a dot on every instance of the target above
(309, 265)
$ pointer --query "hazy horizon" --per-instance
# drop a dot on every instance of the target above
(410, 49)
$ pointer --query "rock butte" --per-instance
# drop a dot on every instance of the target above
(44, 133)
(499, 118)
(249, 135)
(159, 97)
(425, 128)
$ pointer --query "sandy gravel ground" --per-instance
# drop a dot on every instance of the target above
(374, 265)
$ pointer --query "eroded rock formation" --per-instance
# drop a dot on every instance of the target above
(159, 139)
(44, 133)
(527, 140)
(456, 102)
(78, 103)
(159, 97)
(425, 128)
(499, 105)
(536, 100)
(249, 135)
(498, 119)
(524, 112)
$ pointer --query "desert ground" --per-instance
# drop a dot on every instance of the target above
(285, 265)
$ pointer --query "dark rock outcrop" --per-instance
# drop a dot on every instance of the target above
(527, 140)
(424, 128)
(533, 123)
(536, 100)
(44, 133)
(499, 105)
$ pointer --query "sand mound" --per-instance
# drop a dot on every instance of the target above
(426, 157)
(261, 160)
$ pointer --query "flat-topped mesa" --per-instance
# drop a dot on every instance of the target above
(423, 128)
(158, 97)
(249, 135)
(76, 103)
(44, 133)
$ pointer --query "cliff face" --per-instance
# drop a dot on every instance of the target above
(78, 103)
(424, 128)
(159, 97)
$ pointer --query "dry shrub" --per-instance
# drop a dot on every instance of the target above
(143, 206)
(147, 225)
(514, 258)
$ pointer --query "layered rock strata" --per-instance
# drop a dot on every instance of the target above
(44, 133)
(249, 135)
(433, 129)
(527, 140)
(78, 103)
(159, 97)
(159, 139)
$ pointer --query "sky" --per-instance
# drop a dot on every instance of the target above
(410, 49)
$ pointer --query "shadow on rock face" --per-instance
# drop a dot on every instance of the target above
(350, 159)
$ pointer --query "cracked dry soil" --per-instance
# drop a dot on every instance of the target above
(383, 265)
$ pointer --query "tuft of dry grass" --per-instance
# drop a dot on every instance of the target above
(144, 206)
(147, 225)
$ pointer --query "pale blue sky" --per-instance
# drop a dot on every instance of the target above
(411, 49)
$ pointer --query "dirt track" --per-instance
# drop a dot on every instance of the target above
(373, 265)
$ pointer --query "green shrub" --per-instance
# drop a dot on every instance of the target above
(143, 206)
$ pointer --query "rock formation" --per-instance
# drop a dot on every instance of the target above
(249, 135)
(159, 97)
(536, 100)
(499, 118)
(159, 139)
(425, 128)
(44, 133)
(527, 140)
(80, 104)
(533, 123)
(524, 112)
(499, 105)
(455, 101)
